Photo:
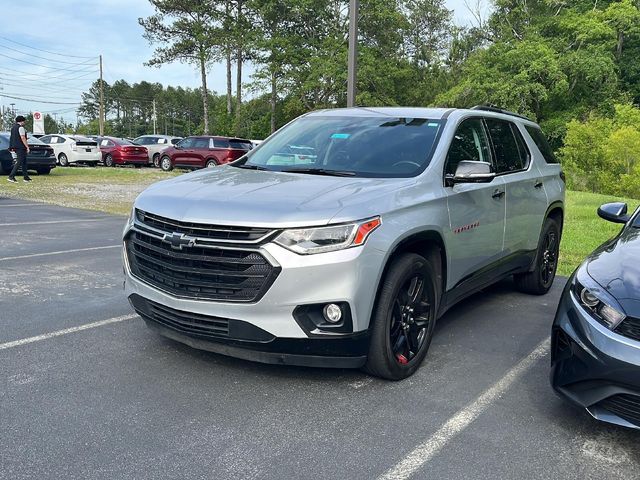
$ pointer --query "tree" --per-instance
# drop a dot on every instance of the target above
(190, 37)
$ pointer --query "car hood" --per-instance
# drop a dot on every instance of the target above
(233, 196)
(615, 266)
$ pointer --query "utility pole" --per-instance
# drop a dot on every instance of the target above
(154, 116)
(353, 53)
(101, 120)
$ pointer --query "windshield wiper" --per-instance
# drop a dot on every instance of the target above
(321, 171)
(250, 167)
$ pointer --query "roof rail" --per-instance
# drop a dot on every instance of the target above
(491, 108)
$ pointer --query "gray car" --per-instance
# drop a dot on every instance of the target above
(341, 239)
(155, 145)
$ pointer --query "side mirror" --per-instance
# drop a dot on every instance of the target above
(469, 171)
(614, 212)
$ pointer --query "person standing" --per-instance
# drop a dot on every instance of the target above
(18, 144)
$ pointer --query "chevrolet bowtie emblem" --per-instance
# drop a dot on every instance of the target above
(178, 240)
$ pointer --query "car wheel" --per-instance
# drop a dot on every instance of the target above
(165, 164)
(43, 171)
(156, 160)
(211, 163)
(108, 161)
(93, 164)
(64, 161)
(539, 280)
(404, 318)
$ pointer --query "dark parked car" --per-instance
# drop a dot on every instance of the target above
(595, 343)
(120, 151)
(40, 158)
(204, 151)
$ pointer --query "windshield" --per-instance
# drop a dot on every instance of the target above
(360, 146)
(31, 140)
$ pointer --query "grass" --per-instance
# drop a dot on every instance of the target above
(113, 190)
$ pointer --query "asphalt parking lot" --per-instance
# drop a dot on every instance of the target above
(89, 392)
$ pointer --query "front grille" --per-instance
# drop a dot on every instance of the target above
(212, 232)
(187, 322)
(198, 272)
(630, 327)
(625, 406)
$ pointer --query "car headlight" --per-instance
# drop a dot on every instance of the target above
(130, 221)
(307, 241)
(596, 300)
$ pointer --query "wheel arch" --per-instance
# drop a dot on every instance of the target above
(556, 211)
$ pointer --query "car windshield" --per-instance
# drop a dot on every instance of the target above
(354, 146)
(33, 140)
(124, 141)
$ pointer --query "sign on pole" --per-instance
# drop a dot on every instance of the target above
(38, 123)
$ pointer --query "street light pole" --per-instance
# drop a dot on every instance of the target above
(353, 53)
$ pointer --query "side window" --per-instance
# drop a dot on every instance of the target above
(186, 143)
(161, 140)
(60, 140)
(219, 143)
(45, 139)
(469, 143)
(201, 143)
(504, 143)
(104, 143)
(541, 142)
(525, 155)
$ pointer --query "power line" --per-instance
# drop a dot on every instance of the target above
(38, 95)
(39, 101)
(46, 66)
(37, 56)
(44, 75)
(42, 50)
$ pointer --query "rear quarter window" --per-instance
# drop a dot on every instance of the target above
(541, 142)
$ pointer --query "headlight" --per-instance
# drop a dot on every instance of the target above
(307, 241)
(130, 220)
(596, 300)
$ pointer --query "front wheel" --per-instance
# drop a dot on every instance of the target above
(165, 164)
(539, 280)
(108, 161)
(404, 319)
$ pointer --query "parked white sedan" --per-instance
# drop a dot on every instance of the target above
(155, 145)
(73, 149)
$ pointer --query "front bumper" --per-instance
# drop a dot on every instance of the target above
(594, 367)
(349, 276)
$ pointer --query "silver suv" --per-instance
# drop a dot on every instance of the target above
(341, 239)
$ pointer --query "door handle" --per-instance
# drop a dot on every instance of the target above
(538, 184)
(498, 193)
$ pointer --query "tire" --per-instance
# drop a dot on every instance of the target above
(93, 164)
(405, 314)
(64, 161)
(540, 279)
(165, 164)
(108, 161)
(156, 160)
(137, 165)
(43, 171)
(211, 163)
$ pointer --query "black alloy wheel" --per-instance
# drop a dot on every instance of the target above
(539, 280)
(404, 320)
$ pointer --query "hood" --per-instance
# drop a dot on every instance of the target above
(616, 266)
(233, 196)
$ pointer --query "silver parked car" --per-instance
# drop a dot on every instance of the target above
(345, 253)
(155, 145)
(70, 149)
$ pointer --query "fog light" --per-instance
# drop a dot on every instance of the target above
(332, 313)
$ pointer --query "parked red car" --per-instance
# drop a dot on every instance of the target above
(120, 151)
(204, 151)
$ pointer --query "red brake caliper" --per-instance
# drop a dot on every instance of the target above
(402, 360)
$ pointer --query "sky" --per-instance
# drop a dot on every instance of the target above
(50, 52)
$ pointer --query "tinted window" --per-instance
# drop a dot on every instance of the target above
(525, 155)
(469, 143)
(186, 143)
(175, 141)
(218, 143)
(541, 142)
(45, 139)
(61, 140)
(504, 143)
(141, 140)
(363, 146)
(124, 141)
(240, 145)
(201, 143)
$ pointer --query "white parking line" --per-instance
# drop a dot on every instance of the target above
(461, 420)
(80, 220)
(60, 252)
(25, 341)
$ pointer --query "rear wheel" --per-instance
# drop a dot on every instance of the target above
(64, 161)
(165, 164)
(211, 163)
(108, 161)
(404, 319)
(539, 280)
(156, 160)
